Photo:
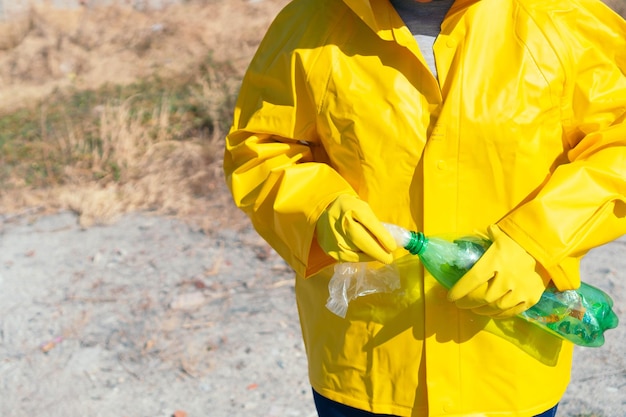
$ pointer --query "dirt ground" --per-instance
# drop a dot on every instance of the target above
(153, 316)
(145, 317)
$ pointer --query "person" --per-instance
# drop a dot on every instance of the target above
(500, 117)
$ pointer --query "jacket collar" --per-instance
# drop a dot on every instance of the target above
(380, 16)
(377, 14)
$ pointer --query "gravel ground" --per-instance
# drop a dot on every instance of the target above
(145, 317)
(148, 316)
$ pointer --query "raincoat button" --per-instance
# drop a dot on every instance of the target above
(447, 407)
(441, 165)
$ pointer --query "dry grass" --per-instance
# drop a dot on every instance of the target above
(109, 110)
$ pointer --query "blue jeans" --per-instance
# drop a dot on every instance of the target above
(329, 408)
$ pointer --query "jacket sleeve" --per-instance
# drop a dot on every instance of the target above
(274, 162)
(583, 203)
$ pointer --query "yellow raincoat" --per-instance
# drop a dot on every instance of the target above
(525, 128)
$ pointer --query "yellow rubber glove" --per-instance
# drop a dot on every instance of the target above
(349, 231)
(503, 283)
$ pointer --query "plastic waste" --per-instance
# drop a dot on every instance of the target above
(580, 316)
(357, 279)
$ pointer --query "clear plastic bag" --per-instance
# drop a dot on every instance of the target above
(358, 279)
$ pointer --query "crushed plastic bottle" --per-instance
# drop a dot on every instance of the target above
(580, 316)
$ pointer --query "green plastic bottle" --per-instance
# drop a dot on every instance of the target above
(580, 316)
